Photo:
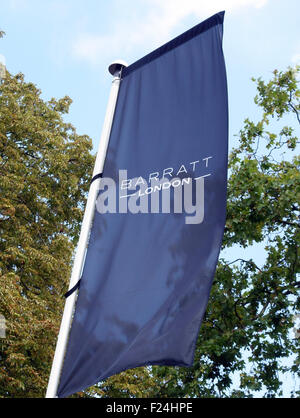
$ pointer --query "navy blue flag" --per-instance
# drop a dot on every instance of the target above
(160, 214)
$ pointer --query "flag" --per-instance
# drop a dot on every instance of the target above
(159, 217)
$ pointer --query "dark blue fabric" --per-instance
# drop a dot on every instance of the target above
(147, 276)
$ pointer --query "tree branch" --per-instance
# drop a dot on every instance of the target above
(293, 108)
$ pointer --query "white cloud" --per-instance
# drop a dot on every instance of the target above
(152, 29)
(296, 59)
(17, 4)
(2, 59)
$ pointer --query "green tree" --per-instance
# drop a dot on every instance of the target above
(45, 172)
(45, 168)
(248, 322)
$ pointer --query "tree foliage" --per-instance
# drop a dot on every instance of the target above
(45, 167)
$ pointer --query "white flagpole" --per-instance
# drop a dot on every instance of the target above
(115, 69)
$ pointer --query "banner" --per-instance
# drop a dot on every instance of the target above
(160, 214)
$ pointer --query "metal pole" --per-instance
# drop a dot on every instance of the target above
(115, 69)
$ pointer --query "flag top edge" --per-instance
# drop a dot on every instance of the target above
(217, 18)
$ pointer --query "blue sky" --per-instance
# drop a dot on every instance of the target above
(65, 47)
